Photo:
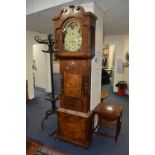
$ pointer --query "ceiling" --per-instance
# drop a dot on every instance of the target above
(116, 17)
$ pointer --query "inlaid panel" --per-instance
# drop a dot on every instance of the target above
(72, 85)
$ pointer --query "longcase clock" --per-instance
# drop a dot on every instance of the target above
(75, 47)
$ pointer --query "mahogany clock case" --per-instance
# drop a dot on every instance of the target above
(75, 120)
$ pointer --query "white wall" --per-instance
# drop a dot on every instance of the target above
(97, 61)
(121, 43)
(56, 67)
(29, 57)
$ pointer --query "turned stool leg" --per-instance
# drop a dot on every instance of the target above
(118, 127)
(100, 122)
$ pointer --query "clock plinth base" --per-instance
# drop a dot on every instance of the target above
(75, 127)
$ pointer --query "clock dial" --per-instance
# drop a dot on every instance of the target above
(72, 37)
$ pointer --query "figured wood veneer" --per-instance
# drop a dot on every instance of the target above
(75, 128)
(75, 84)
(72, 85)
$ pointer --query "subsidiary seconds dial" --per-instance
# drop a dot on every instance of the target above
(72, 37)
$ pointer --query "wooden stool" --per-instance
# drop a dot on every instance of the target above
(109, 116)
(104, 95)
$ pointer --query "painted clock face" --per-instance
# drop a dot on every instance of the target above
(72, 40)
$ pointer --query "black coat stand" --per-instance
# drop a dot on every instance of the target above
(50, 96)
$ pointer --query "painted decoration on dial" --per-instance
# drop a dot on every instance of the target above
(72, 37)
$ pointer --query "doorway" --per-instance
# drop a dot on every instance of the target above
(40, 71)
(108, 63)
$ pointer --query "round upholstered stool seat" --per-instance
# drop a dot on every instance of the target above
(110, 116)
(108, 111)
